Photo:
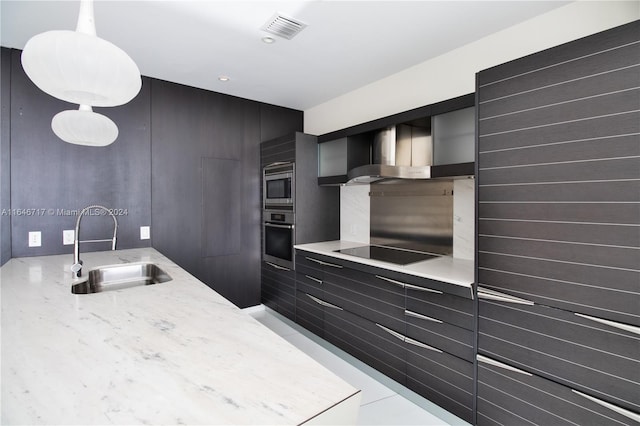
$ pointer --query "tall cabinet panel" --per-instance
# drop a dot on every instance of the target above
(316, 212)
(205, 184)
(558, 257)
(558, 253)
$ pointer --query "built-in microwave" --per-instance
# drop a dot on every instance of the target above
(278, 238)
(278, 191)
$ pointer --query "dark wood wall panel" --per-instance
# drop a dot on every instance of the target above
(206, 184)
(5, 155)
(221, 207)
(558, 220)
(48, 173)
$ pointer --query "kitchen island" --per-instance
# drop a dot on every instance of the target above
(170, 353)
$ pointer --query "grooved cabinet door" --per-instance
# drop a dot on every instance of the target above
(441, 378)
(561, 346)
(558, 160)
(515, 397)
(367, 341)
(309, 312)
(279, 290)
(366, 295)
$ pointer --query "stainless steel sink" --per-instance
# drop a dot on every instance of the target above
(117, 277)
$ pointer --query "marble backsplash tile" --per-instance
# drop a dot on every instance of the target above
(464, 218)
(355, 208)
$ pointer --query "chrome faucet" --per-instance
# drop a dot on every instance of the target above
(76, 268)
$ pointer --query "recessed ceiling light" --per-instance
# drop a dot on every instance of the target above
(268, 40)
(224, 78)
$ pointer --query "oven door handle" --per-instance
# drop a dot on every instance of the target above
(277, 163)
(274, 225)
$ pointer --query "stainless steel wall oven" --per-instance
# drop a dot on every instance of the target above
(278, 238)
(278, 214)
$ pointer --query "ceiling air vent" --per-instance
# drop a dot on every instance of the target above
(283, 26)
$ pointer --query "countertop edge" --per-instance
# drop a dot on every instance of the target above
(434, 269)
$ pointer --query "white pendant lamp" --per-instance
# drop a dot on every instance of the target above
(79, 67)
(84, 127)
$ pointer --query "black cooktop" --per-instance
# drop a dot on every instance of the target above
(387, 254)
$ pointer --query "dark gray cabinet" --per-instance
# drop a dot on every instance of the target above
(365, 311)
(442, 378)
(316, 211)
(367, 341)
(279, 289)
(558, 249)
(575, 351)
(510, 396)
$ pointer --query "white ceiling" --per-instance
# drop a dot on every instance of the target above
(346, 45)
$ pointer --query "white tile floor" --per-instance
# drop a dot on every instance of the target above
(384, 402)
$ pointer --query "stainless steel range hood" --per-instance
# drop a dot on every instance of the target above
(404, 152)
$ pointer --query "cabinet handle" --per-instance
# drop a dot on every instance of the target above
(398, 283)
(490, 361)
(323, 263)
(393, 333)
(626, 327)
(417, 287)
(323, 303)
(487, 294)
(629, 414)
(413, 342)
(409, 340)
(282, 268)
(424, 317)
(314, 279)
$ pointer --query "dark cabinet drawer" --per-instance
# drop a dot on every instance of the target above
(366, 341)
(508, 396)
(279, 289)
(366, 295)
(310, 313)
(443, 306)
(309, 283)
(441, 378)
(434, 332)
(581, 353)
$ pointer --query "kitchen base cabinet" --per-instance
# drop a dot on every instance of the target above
(562, 346)
(441, 378)
(367, 341)
(509, 396)
(310, 313)
(370, 296)
(363, 310)
(279, 289)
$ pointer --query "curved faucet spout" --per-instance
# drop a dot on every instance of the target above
(76, 268)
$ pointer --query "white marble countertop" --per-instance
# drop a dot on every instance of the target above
(170, 353)
(444, 268)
